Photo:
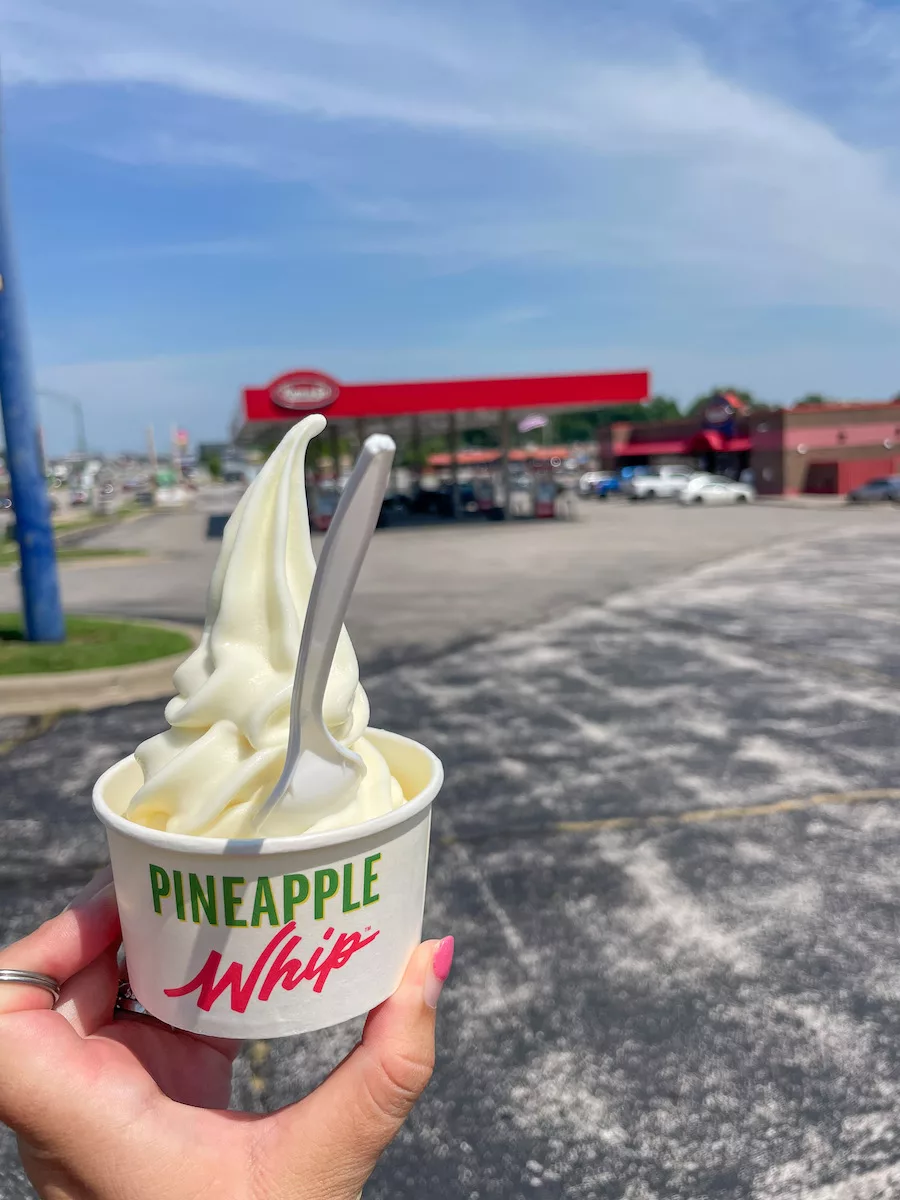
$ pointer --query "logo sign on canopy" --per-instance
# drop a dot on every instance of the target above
(304, 390)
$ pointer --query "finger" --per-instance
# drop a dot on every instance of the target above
(94, 885)
(61, 947)
(229, 1048)
(39, 1071)
(87, 1000)
(339, 1132)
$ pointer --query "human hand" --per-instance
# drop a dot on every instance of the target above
(116, 1106)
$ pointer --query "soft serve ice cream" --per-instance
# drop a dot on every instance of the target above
(223, 753)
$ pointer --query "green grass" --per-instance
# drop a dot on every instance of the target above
(90, 642)
(91, 520)
(9, 553)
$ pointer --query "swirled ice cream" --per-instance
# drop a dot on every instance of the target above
(224, 750)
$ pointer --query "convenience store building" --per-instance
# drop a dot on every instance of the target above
(826, 449)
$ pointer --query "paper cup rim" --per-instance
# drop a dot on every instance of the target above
(189, 843)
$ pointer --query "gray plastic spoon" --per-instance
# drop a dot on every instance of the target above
(318, 770)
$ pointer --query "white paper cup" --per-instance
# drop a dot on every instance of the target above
(272, 936)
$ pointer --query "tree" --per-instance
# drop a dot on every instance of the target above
(811, 400)
(662, 408)
(753, 405)
(577, 426)
(418, 460)
(480, 439)
(582, 424)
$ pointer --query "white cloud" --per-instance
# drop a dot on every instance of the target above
(732, 151)
(736, 183)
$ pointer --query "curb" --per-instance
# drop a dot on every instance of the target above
(125, 559)
(62, 536)
(100, 687)
(74, 537)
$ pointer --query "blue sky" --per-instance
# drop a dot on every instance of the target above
(209, 192)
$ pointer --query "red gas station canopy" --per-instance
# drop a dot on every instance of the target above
(300, 392)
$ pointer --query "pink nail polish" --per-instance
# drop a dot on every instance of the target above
(440, 969)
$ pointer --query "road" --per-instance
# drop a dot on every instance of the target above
(427, 589)
(667, 848)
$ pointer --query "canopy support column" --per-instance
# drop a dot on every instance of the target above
(453, 441)
(334, 449)
(504, 461)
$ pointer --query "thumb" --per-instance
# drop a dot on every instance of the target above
(337, 1133)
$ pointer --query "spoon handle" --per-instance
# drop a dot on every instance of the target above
(339, 565)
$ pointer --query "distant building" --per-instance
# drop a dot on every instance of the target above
(825, 449)
(209, 450)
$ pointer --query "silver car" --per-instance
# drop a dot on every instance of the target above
(716, 489)
(877, 491)
(665, 484)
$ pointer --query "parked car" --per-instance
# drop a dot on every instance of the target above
(877, 491)
(589, 481)
(395, 504)
(656, 485)
(466, 499)
(439, 501)
(716, 489)
(608, 487)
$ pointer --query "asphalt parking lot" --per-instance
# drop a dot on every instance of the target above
(667, 849)
(426, 590)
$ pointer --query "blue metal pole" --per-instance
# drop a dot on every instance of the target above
(40, 585)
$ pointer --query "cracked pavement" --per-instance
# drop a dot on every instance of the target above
(701, 1008)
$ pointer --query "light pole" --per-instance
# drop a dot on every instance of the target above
(75, 405)
(34, 529)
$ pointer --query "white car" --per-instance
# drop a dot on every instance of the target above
(661, 485)
(589, 480)
(716, 489)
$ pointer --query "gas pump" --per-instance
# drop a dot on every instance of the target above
(323, 505)
(545, 491)
(545, 497)
(521, 494)
(483, 487)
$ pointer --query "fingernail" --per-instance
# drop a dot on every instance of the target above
(440, 969)
(101, 881)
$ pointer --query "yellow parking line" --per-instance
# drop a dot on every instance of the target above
(697, 816)
(35, 727)
(700, 816)
(258, 1053)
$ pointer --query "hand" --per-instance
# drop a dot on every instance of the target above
(115, 1106)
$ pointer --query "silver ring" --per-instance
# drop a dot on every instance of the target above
(127, 1001)
(31, 979)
